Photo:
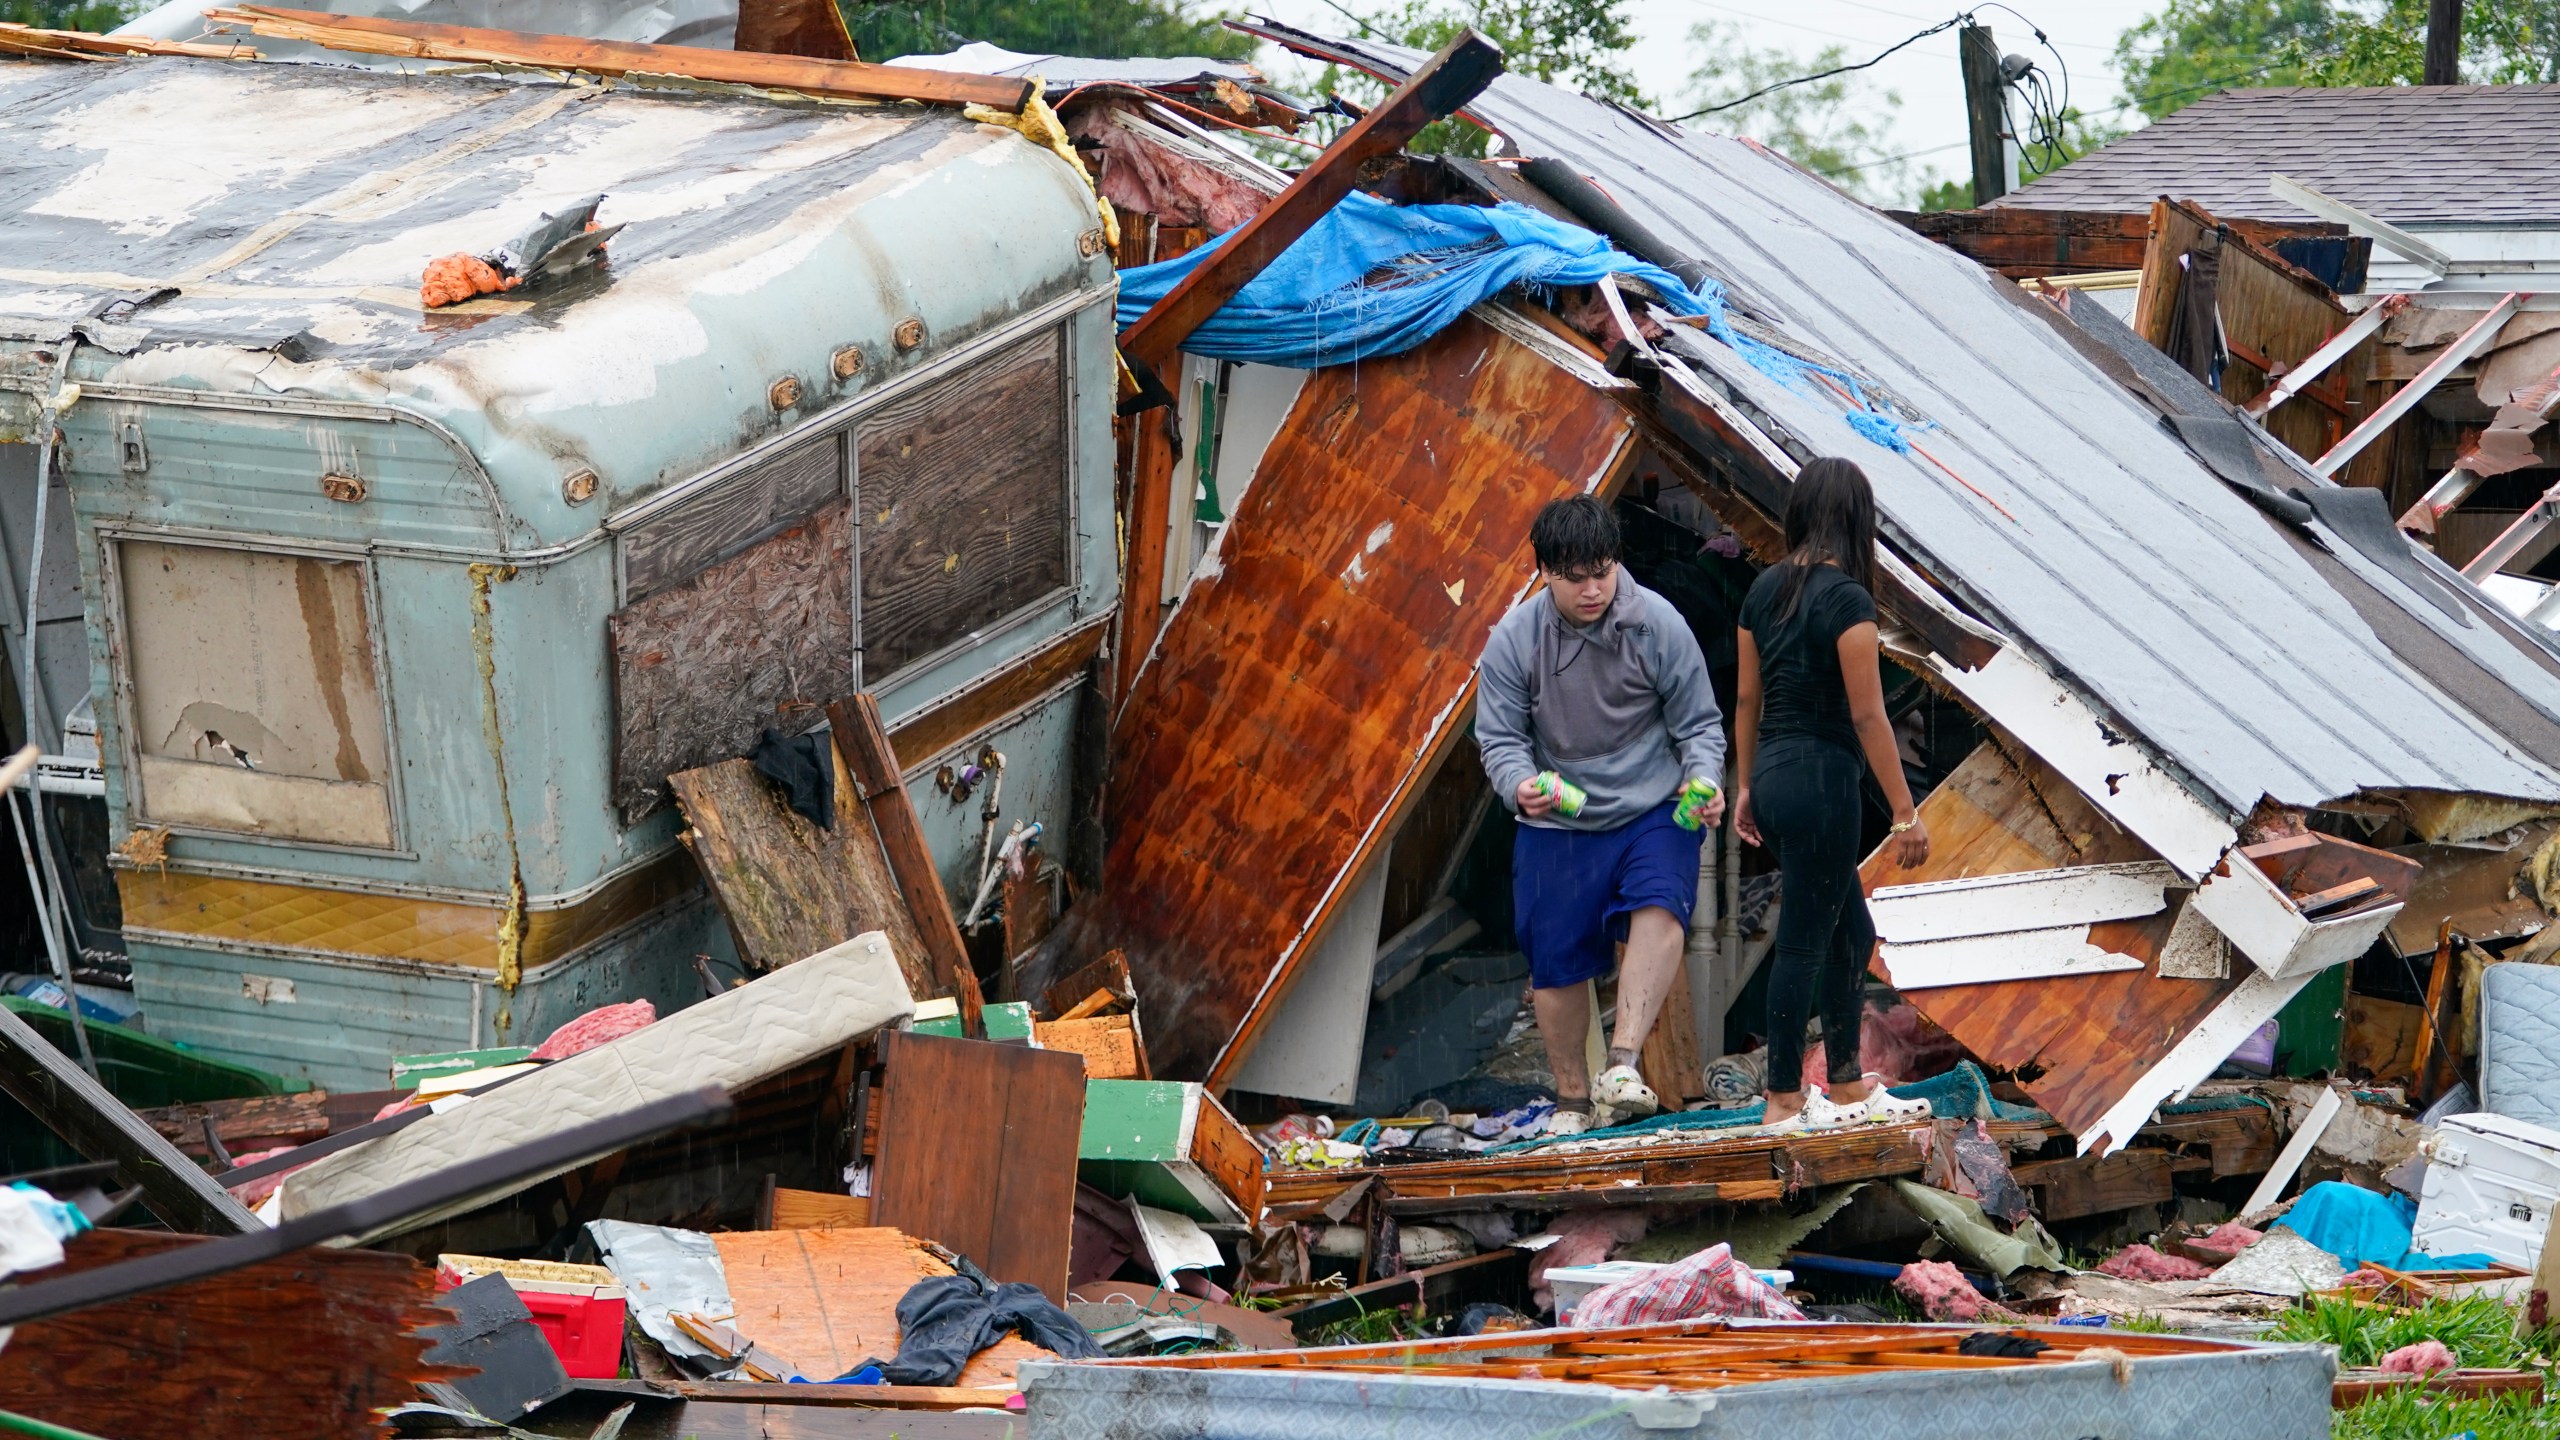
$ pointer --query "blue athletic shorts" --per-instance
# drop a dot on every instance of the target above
(1572, 890)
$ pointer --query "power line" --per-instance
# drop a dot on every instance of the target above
(1895, 159)
(1877, 59)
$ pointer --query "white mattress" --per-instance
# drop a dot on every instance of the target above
(2520, 1042)
(734, 1039)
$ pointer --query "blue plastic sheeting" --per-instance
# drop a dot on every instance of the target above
(2357, 1225)
(1963, 1093)
(1372, 278)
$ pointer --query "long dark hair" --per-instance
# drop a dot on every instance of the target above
(1831, 515)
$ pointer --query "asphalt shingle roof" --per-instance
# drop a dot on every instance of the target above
(2412, 154)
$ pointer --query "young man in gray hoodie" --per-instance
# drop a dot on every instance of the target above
(1598, 681)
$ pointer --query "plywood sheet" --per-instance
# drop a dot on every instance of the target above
(309, 1344)
(702, 668)
(978, 1152)
(827, 1300)
(2077, 1043)
(1294, 694)
(789, 888)
(963, 488)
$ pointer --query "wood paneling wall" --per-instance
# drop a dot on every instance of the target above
(1297, 692)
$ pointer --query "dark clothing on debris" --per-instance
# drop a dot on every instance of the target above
(804, 766)
(1807, 805)
(944, 1320)
(1803, 700)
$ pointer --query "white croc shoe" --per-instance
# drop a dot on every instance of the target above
(1624, 1092)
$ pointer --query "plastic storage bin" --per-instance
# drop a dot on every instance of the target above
(578, 1308)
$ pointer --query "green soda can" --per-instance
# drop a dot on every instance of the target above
(1695, 796)
(1569, 796)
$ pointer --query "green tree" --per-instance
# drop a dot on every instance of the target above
(2195, 47)
(92, 15)
(2504, 42)
(1815, 124)
(1108, 29)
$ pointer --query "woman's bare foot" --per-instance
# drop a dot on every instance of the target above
(1781, 1106)
(1851, 1092)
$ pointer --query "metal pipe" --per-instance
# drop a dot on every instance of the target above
(47, 890)
(2406, 398)
(2333, 350)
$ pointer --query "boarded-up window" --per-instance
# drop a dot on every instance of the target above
(771, 495)
(255, 702)
(963, 487)
(702, 667)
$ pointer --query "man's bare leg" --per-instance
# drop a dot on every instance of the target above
(1652, 958)
(1564, 1022)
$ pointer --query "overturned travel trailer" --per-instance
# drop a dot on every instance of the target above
(389, 623)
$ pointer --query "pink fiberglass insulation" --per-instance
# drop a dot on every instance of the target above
(1590, 1236)
(610, 1022)
(2231, 1237)
(2141, 1262)
(2424, 1358)
(1941, 1291)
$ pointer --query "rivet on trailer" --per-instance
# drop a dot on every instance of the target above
(368, 633)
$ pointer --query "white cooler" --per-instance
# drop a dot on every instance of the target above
(2490, 1188)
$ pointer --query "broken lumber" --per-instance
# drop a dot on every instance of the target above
(862, 742)
(98, 1125)
(841, 79)
(1444, 82)
(789, 888)
(260, 1122)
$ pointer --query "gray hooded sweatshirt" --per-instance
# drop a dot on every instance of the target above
(1622, 707)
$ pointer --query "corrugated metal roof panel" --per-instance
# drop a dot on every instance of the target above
(2096, 539)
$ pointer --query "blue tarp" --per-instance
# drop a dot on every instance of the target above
(1372, 278)
(2357, 1225)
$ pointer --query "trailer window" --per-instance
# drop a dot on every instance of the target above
(963, 489)
(253, 696)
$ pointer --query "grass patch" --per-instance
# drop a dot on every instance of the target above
(2143, 1324)
(1370, 1327)
(2409, 1415)
(2480, 1330)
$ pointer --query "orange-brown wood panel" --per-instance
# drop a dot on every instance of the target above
(2076, 1043)
(1300, 689)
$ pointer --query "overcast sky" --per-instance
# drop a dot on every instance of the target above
(1931, 117)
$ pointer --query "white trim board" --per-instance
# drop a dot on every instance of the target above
(2080, 895)
(2014, 955)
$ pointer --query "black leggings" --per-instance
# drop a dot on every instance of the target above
(1808, 804)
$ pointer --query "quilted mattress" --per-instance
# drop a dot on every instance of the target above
(733, 1040)
(2520, 1043)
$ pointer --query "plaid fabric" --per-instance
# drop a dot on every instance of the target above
(1710, 1282)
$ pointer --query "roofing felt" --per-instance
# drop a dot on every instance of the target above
(272, 221)
(2082, 527)
(2410, 154)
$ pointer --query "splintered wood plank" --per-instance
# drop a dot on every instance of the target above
(978, 1149)
(846, 78)
(2076, 1043)
(2088, 1185)
(789, 888)
(257, 1122)
(313, 1343)
(1305, 686)
(819, 1210)
(827, 1300)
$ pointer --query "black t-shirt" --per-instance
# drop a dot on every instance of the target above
(1802, 698)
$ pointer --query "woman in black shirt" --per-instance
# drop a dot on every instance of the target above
(1809, 726)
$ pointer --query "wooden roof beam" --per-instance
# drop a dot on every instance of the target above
(839, 79)
(1445, 82)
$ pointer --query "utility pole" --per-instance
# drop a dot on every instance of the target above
(1986, 116)
(2444, 43)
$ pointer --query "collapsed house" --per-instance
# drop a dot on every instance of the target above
(2376, 248)
(2175, 637)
